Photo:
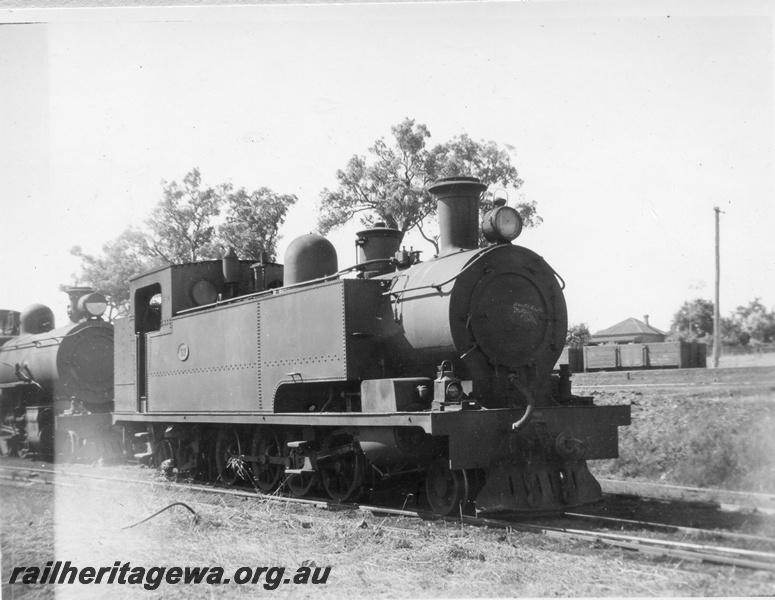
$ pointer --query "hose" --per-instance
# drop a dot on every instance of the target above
(193, 512)
(525, 391)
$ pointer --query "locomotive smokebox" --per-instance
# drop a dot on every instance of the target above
(309, 257)
(458, 204)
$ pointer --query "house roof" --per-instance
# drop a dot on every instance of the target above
(628, 327)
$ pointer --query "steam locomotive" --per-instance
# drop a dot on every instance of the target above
(302, 375)
(56, 382)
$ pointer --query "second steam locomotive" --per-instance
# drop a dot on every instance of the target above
(56, 382)
(295, 375)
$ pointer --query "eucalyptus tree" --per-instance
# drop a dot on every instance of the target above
(389, 185)
(191, 222)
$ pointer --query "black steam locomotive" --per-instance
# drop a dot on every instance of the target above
(56, 383)
(301, 374)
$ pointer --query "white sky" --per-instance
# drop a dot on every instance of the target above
(630, 125)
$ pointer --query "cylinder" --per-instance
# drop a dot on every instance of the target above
(458, 211)
(385, 446)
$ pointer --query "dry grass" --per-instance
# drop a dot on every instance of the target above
(369, 555)
(745, 360)
(705, 439)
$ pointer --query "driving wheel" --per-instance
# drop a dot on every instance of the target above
(268, 468)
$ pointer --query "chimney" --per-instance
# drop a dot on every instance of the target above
(76, 293)
(458, 208)
(646, 319)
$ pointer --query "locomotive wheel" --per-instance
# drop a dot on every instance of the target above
(162, 454)
(228, 452)
(342, 473)
(185, 459)
(23, 449)
(266, 447)
(302, 484)
(447, 489)
(47, 444)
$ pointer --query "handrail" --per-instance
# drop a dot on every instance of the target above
(438, 286)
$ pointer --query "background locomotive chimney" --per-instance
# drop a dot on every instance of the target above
(75, 294)
(85, 303)
(458, 203)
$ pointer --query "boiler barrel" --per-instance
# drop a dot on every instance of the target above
(503, 303)
(69, 363)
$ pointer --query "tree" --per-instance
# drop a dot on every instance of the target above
(732, 334)
(180, 227)
(756, 322)
(109, 273)
(252, 222)
(578, 335)
(751, 323)
(693, 320)
(391, 189)
(391, 185)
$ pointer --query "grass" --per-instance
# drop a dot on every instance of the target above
(697, 439)
(745, 360)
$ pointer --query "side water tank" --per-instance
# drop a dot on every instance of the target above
(309, 257)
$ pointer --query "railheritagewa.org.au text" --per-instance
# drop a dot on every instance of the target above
(151, 578)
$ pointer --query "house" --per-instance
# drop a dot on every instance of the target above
(629, 331)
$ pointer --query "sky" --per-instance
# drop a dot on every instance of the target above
(630, 123)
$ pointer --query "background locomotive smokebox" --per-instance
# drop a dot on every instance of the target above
(394, 395)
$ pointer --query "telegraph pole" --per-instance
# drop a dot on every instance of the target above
(716, 308)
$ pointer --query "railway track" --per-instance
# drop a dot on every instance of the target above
(750, 551)
(725, 500)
